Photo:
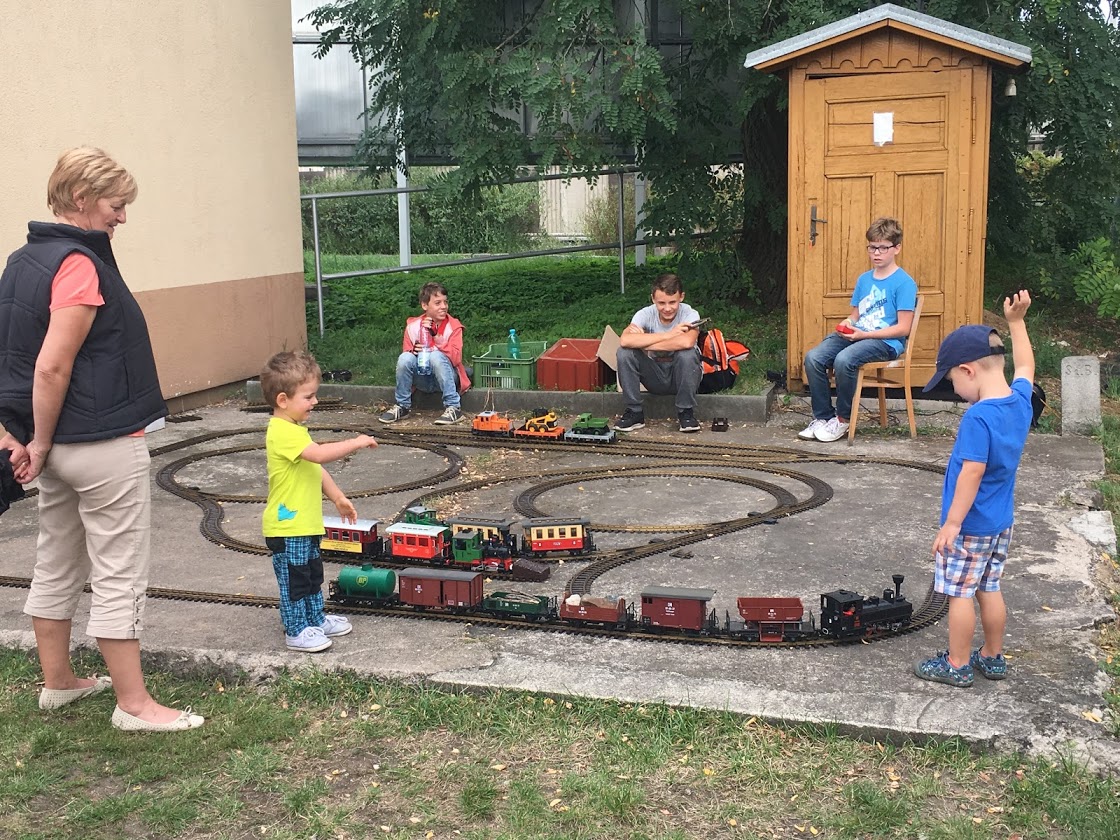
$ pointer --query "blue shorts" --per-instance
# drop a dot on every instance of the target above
(972, 563)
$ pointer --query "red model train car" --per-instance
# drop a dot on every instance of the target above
(587, 609)
(350, 537)
(545, 535)
(677, 608)
(771, 619)
(430, 543)
(440, 589)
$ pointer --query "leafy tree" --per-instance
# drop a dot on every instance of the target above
(596, 81)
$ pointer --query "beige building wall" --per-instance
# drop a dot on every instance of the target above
(196, 99)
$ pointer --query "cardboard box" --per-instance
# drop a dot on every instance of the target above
(571, 364)
(608, 349)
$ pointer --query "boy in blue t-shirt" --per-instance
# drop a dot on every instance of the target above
(882, 312)
(292, 522)
(977, 500)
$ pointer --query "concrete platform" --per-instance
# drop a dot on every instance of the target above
(881, 520)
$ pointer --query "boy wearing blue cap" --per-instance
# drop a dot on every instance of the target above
(977, 499)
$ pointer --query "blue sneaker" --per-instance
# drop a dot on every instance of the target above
(938, 669)
(992, 667)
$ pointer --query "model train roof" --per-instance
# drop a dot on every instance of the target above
(360, 525)
(485, 521)
(437, 574)
(414, 528)
(678, 592)
(545, 521)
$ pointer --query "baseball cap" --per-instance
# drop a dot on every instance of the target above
(964, 344)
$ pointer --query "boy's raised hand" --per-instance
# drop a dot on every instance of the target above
(1015, 306)
(366, 442)
(346, 509)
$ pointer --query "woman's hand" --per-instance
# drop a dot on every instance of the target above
(35, 456)
(18, 452)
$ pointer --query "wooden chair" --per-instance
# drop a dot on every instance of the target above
(871, 375)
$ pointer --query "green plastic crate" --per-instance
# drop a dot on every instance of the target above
(495, 369)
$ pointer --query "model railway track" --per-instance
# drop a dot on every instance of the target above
(702, 461)
(928, 613)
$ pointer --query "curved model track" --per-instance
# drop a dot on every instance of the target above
(701, 460)
(688, 460)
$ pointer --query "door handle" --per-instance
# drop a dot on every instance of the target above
(813, 222)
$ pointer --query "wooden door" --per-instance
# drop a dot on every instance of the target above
(921, 177)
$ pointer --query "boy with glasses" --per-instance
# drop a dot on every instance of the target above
(882, 312)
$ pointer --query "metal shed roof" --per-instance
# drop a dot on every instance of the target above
(890, 15)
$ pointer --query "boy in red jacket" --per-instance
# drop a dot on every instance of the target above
(448, 376)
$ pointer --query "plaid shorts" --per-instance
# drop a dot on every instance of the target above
(972, 563)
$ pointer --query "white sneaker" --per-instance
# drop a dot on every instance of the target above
(335, 625)
(832, 430)
(810, 431)
(309, 640)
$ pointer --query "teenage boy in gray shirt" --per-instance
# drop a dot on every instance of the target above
(658, 350)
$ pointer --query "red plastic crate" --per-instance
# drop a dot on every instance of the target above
(571, 365)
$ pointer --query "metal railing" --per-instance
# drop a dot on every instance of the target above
(621, 243)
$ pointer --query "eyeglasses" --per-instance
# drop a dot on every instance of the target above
(878, 249)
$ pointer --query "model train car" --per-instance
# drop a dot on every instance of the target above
(544, 425)
(423, 537)
(669, 610)
(591, 430)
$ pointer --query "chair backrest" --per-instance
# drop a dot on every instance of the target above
(904, 359)
(914, 325)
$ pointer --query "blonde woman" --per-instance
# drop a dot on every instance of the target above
(78, 386)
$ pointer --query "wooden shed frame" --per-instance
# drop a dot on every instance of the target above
(889, 115)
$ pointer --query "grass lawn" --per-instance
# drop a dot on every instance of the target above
(544, 298)
(315, 755)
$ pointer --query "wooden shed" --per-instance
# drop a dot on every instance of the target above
(889, 115)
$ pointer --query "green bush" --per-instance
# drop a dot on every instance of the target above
(498, 220)
(1098, 280)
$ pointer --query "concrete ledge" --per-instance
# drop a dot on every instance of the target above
(740, 408)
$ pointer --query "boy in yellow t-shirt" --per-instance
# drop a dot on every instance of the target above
(293, 518)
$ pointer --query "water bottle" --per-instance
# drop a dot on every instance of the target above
(424, 354)
(513, 345)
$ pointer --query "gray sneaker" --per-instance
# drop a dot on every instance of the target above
(309, 640)
(451, 415)
(335, 625)
(397, 412)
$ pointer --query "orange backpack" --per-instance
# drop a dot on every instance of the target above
(720, 359)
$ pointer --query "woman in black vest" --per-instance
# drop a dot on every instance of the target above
(78, 387)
